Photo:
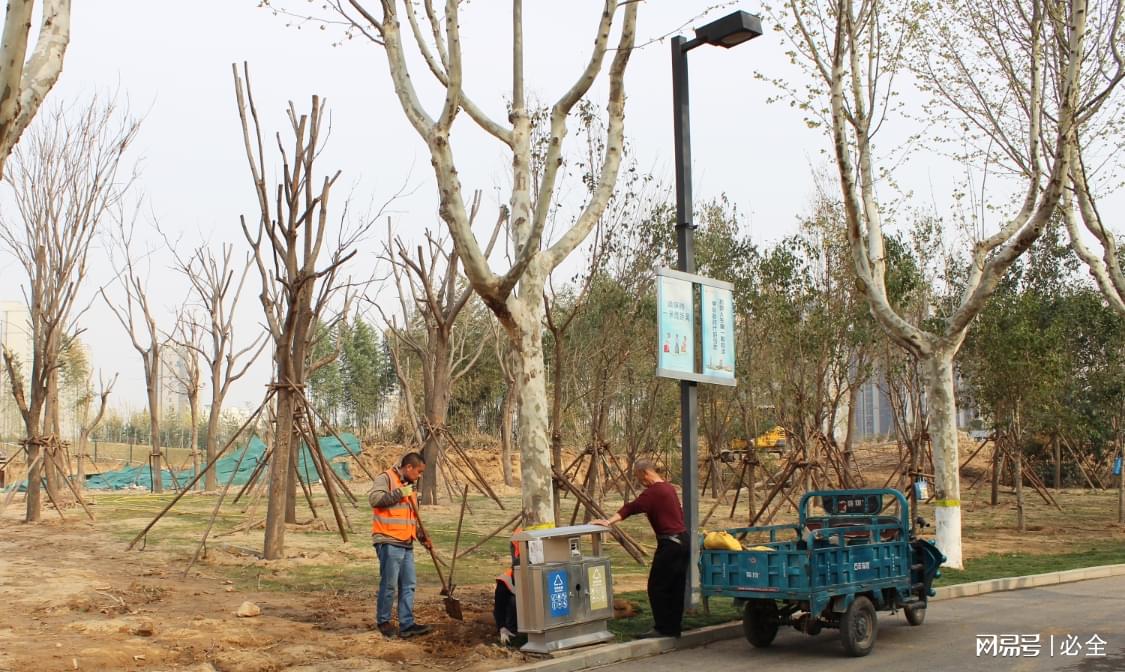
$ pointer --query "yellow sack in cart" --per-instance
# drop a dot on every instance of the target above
(721, 541)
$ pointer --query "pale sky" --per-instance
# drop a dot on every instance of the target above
(172, 62)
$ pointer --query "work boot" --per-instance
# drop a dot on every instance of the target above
(413, 630)
(387, 629)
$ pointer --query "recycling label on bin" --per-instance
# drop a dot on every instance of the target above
(595, 578)
(558, 595)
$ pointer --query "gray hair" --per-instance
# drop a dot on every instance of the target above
(642, 465)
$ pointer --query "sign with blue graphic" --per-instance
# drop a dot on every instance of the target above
(1117, 467)
(558, 595)
(677, 339)
(675, 325)
(718, 332)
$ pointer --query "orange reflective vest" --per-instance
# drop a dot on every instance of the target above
(398, 520)
(508, 576)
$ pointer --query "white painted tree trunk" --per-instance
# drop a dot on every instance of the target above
(937, 370)
(535, 451)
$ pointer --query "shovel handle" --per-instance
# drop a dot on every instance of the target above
(457, 541)
(433, 556)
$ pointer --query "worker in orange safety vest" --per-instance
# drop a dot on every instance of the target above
(504, 600)
(394, 527)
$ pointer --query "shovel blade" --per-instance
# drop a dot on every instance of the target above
(453, 608)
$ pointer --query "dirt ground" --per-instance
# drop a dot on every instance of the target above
(74, 599)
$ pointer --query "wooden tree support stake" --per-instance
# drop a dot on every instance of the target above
(12, 493)
(296, 472)
(254, 475)
(467, 475)
(73, 490)
(327, 473)
(514, 519)
(1077, 461)
(320, 464)
(738, 487)
(204, 470)
(983, 443)
(774, 491)
(1039, 486)
(331, 429)
(472, 466)
(628, 543)
(215, 511)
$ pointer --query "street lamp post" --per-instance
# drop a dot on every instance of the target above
(729, 31)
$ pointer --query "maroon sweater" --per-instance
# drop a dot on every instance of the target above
(661, 506)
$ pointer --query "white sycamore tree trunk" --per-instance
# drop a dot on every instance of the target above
(1099, 131)
(941, 407)
(531, 377)
(532, 196)
(25, 81)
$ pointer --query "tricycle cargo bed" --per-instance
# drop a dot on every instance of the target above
(793, 568)
(827, 571)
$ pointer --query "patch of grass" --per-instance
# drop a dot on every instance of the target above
(722, 611)
(1079, 535)
(1000, 565)
(303, 578)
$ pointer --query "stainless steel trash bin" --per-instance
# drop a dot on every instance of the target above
(564, 588)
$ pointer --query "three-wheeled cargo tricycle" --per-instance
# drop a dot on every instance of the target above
(857, 556)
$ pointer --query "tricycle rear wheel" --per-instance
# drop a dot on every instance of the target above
(760, 621)
(915, 613)
(858, 627)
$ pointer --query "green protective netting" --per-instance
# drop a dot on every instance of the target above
(139, 477)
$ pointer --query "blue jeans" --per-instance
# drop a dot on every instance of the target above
(396, 570)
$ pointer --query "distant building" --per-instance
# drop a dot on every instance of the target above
(15, 329)
(15, 335)
(874, 417)
(173, 373)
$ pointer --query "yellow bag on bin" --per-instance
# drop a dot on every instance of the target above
(721, 541)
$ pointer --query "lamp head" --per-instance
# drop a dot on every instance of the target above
(731, 30)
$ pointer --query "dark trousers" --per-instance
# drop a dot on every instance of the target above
(504, 608)
(666, 582)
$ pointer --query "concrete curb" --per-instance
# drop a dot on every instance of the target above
(607, 654)
(1031, 581)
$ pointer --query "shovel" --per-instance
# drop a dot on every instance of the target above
(453, 562)
(452, 605)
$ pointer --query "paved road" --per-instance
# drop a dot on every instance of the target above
(948, 640)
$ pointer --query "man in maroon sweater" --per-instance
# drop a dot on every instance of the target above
(668, 575)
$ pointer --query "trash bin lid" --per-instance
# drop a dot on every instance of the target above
(567, 531)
